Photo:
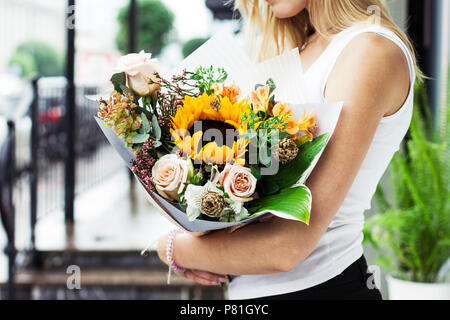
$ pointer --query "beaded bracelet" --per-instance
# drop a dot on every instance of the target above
(169, 254)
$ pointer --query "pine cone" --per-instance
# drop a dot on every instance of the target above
(213, 204)
(286, 151)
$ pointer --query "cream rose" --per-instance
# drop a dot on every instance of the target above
(139, 68)
(238, 182)
(169, 174)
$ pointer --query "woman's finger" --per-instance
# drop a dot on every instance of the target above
(210, 276)
(204, 282)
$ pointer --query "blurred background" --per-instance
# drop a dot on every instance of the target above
(66, 198)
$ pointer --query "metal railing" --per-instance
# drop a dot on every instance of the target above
(39, 186)
(7, 210)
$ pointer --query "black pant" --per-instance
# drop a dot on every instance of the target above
(349, 285)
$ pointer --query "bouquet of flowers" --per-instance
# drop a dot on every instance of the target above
(208, 154)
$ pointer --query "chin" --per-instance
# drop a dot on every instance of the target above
(283, 9)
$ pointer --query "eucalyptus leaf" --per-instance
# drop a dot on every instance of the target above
(289, 203)
(140, 138)
(156, 128)
(147, 113)
(145, 128)
(157, 144)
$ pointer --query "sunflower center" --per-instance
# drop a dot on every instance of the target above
(215, 131)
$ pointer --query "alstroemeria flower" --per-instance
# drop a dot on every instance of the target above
(281, 110)
(260, 99)
(307, 124)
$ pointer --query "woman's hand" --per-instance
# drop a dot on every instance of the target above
(206, 278)
(203, 278)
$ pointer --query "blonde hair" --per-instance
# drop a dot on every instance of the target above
(277, 35)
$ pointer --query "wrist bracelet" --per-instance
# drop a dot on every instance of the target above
(169, 253)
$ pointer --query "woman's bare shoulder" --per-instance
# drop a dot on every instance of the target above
(373, 48)
(372, 65)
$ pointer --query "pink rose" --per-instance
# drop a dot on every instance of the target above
(238, 182)
(139, 68)
(169, 174)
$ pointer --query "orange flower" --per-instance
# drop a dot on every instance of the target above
(260, 99)
(232, 92)
(307, 124)
(292, 126)
(281, 110)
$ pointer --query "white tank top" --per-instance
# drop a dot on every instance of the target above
(341, 245)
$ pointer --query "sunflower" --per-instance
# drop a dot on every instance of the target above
(208, 112)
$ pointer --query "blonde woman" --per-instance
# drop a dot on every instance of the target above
(351, 51)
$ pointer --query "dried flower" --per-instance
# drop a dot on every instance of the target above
(213, 203)
(286, 151)
(120, 113)
(142, 166)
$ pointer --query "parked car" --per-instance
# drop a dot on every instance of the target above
(52, 118)
(16, 96)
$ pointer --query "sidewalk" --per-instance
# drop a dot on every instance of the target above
(107, 218)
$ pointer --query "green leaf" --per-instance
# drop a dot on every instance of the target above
(258, 86)
(118, 80)
(190, 166)
(271, 85)
(256, 172)
(269, 187)
(291, 173)
(140, 138)
(145, 128)
(222, 78)
(265, 154)
(156, 128)
(249, 136)
(289, 203)
(125, 89)
(153, 102)
(142, 110)
(139, 148)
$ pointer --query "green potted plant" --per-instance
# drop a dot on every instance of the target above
(411, 231)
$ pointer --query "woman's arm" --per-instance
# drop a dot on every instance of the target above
(372, 78)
